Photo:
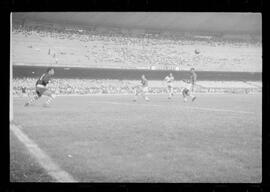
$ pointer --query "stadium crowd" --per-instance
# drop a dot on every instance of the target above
(116, 48)
(97, 47)
(25, 86)
(80, 86)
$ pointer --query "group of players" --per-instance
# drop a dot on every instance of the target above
(186, 91)
(141, 90)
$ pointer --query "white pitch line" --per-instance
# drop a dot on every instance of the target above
(43, 159)
(187, 107)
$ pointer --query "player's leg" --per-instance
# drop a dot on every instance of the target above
(32, 100)
(51, 97)
(170, 91)
(192, 97)
(192, 86)
(144, 93)
(191, 93)
(39, 92)
(185, 94)
(136, 93)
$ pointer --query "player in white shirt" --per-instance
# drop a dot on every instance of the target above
(186, 91)
(143, 89)
(169, 79)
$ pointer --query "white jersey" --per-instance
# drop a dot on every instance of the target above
(169, 80)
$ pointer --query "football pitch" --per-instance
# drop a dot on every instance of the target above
(217, 138)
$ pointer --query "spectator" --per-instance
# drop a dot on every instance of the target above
(124, 49)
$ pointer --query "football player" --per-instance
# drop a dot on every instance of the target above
(41, 88)
(143, 89)
(186, 91)
(169, 79)
(193, 78)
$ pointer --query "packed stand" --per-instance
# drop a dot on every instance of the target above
(25, 87)
(114, 48)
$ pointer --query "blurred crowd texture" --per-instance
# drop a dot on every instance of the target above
(26, 86)
(75, 46)
(117, 48)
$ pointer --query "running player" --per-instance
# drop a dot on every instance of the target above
(186, 91)
(169, 80)
(193, 78)
(143, 89)
(41, 88)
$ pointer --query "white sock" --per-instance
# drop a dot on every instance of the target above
(48, 102)
(33, 99)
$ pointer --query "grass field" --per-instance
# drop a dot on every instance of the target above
(217, 138)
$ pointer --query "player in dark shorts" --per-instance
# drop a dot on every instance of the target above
(41, 88)
(186, 91)
(193, 78)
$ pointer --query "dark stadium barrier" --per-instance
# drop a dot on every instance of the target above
(20, 71)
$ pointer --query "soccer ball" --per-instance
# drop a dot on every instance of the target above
(197, 51)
